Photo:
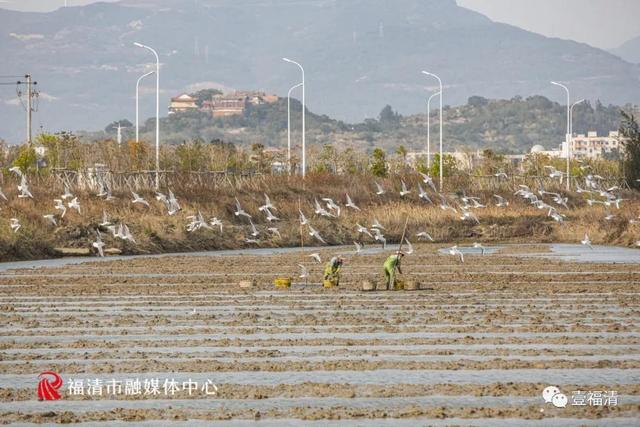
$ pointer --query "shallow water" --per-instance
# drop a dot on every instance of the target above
(561, 251)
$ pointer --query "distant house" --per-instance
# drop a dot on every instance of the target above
(182, 103)
(592, 146)
(234, 104)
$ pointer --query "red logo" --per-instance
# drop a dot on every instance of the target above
(48, 386)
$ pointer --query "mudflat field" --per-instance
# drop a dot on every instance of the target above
(476, 345)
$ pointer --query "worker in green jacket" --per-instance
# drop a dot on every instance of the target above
(390, 266)
(332, 270)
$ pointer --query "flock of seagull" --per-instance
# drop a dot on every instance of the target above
(461, 205)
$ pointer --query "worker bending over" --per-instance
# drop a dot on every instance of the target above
(332, 271)
(390, 266)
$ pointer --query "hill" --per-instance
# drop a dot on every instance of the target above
(629, 50)
(359, 55)
(507, 125)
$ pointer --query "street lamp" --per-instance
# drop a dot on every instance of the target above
(157, 110)
(304, 140)
(567, 136)
(289, 126)
(441, 158)
(137, 103)
(429, 128)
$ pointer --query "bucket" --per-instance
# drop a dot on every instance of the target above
(247, 284)
(398, 285)
(368, 286)
(411, 285)
(329, 284)
(283, 282)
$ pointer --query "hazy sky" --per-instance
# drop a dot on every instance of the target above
(600, 23)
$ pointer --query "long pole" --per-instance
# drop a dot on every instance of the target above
(441, 167)
(137, 103)
(157, 111)
(567, 136)
(289, 126)
(29, 108)
(571, 121)
(429, 129)
(304, 136)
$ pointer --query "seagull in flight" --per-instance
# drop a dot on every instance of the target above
(14, 223)
(424, 235)
(254, 230)
(303, 272)
(51, 218)
(456, 252)
(138, 199)
(363, 230)
(358, 247)
(379, 190)
(267, 205)
(74, 204)
(274, 231)
(59, 205)
(586, 241)
(428, 180)
(376, 224)
(67, 193)
(16, 170)
(501, 201)
(404, 191)
(319, 210)
(332, 205)
(215, 222)
(303, 219)
(23, 188)
(99, 244)
(410, 250)
(105, 219)
(350, 203)
(423, 194)
(270, 216)
(316, 257)
(314, 233)
(239, 211)
(479, 246)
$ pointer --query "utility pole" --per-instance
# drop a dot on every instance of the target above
(31, 93)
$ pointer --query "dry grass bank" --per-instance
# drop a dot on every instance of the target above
(156, 232)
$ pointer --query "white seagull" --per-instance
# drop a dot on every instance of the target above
(14, 223)
(74, 204)
(138, 199)
(350, 203)
(51, 218)
(99, 244)
(316, 257)
(586, 241)
(456, 252)
(239, 211)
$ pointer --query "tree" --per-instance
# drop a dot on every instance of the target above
(631, 163)
(26, 160)
(450, 165)
(388, 118)
(113, 126)
(378, 164)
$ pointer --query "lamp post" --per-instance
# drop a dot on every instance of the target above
(137, 103)
(157, 110)
(289, 126)
(567, 136)
(441, 157)
(429, 128)
(304, 137)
